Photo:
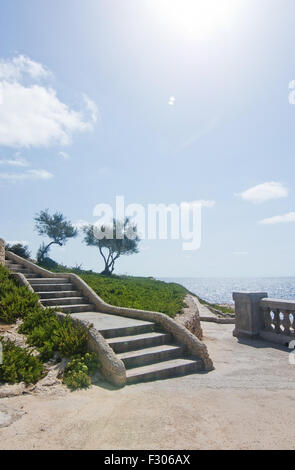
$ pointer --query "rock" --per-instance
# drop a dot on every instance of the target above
(9, 415)
(15, 390)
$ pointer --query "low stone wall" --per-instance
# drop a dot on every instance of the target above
(2, 252)
(190, 317)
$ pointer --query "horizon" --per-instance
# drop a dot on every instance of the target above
(178, 106)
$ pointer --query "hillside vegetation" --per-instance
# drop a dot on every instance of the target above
(45, 333)
(134, 292)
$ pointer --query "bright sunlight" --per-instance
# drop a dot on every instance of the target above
(197, 18)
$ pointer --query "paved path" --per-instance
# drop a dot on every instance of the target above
(203, 310)
(106, 321)
(247, 402)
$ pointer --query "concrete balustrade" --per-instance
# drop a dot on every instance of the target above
(259, 316)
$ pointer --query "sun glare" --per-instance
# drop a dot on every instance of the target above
(197, 18)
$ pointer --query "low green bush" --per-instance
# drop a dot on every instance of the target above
(15, 301)
(79, 371)
(19, 365)
(50, 334)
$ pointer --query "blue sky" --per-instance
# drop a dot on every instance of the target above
(87, 115)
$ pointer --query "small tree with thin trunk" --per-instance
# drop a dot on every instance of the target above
(114, 240)
(55, 227)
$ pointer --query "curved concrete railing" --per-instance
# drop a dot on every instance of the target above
(2, 252)
(179, 332)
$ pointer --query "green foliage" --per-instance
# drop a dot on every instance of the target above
(79, 371)
(15, 301)
(114, 240)
(19, 249)
(134, 292)
(139, 293)
(48, 263)
(50, 334)
(19, 365)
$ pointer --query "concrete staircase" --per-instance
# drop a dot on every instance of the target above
(147, 352)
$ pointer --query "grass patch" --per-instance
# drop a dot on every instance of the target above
(134, 292)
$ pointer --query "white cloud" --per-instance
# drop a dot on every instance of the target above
(279, 219)
(64, 155)
(28, 175)
(16, 68)
(31, 115)
(21, 162)
(91, 107)
(171, 101)
(264, 192)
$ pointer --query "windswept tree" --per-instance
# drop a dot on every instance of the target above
(55, 227)
(114, 240)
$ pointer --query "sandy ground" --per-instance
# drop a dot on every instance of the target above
(247, 402)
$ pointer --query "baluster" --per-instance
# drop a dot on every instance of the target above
(292, 323)
(267, 319)
(286, 322)
(277, 321)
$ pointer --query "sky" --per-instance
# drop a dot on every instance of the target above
(159, 101)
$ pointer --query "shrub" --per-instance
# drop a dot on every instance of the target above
(19, 365)
(19, 249)
(79, 371)
(50, 334)
(15, 301)
(48, 263)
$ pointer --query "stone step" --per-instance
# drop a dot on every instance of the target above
(15, 269)
(49, 280)
(129, 343)
(49, 287)
(164, 370)
(58, 294)
(30, 275)
(63, 301)
(151, 355)
(9, 265)
(74, 308)
(128, 330)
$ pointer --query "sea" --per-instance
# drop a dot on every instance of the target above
(220, 289)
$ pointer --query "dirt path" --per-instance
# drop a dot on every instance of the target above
(247, 402)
